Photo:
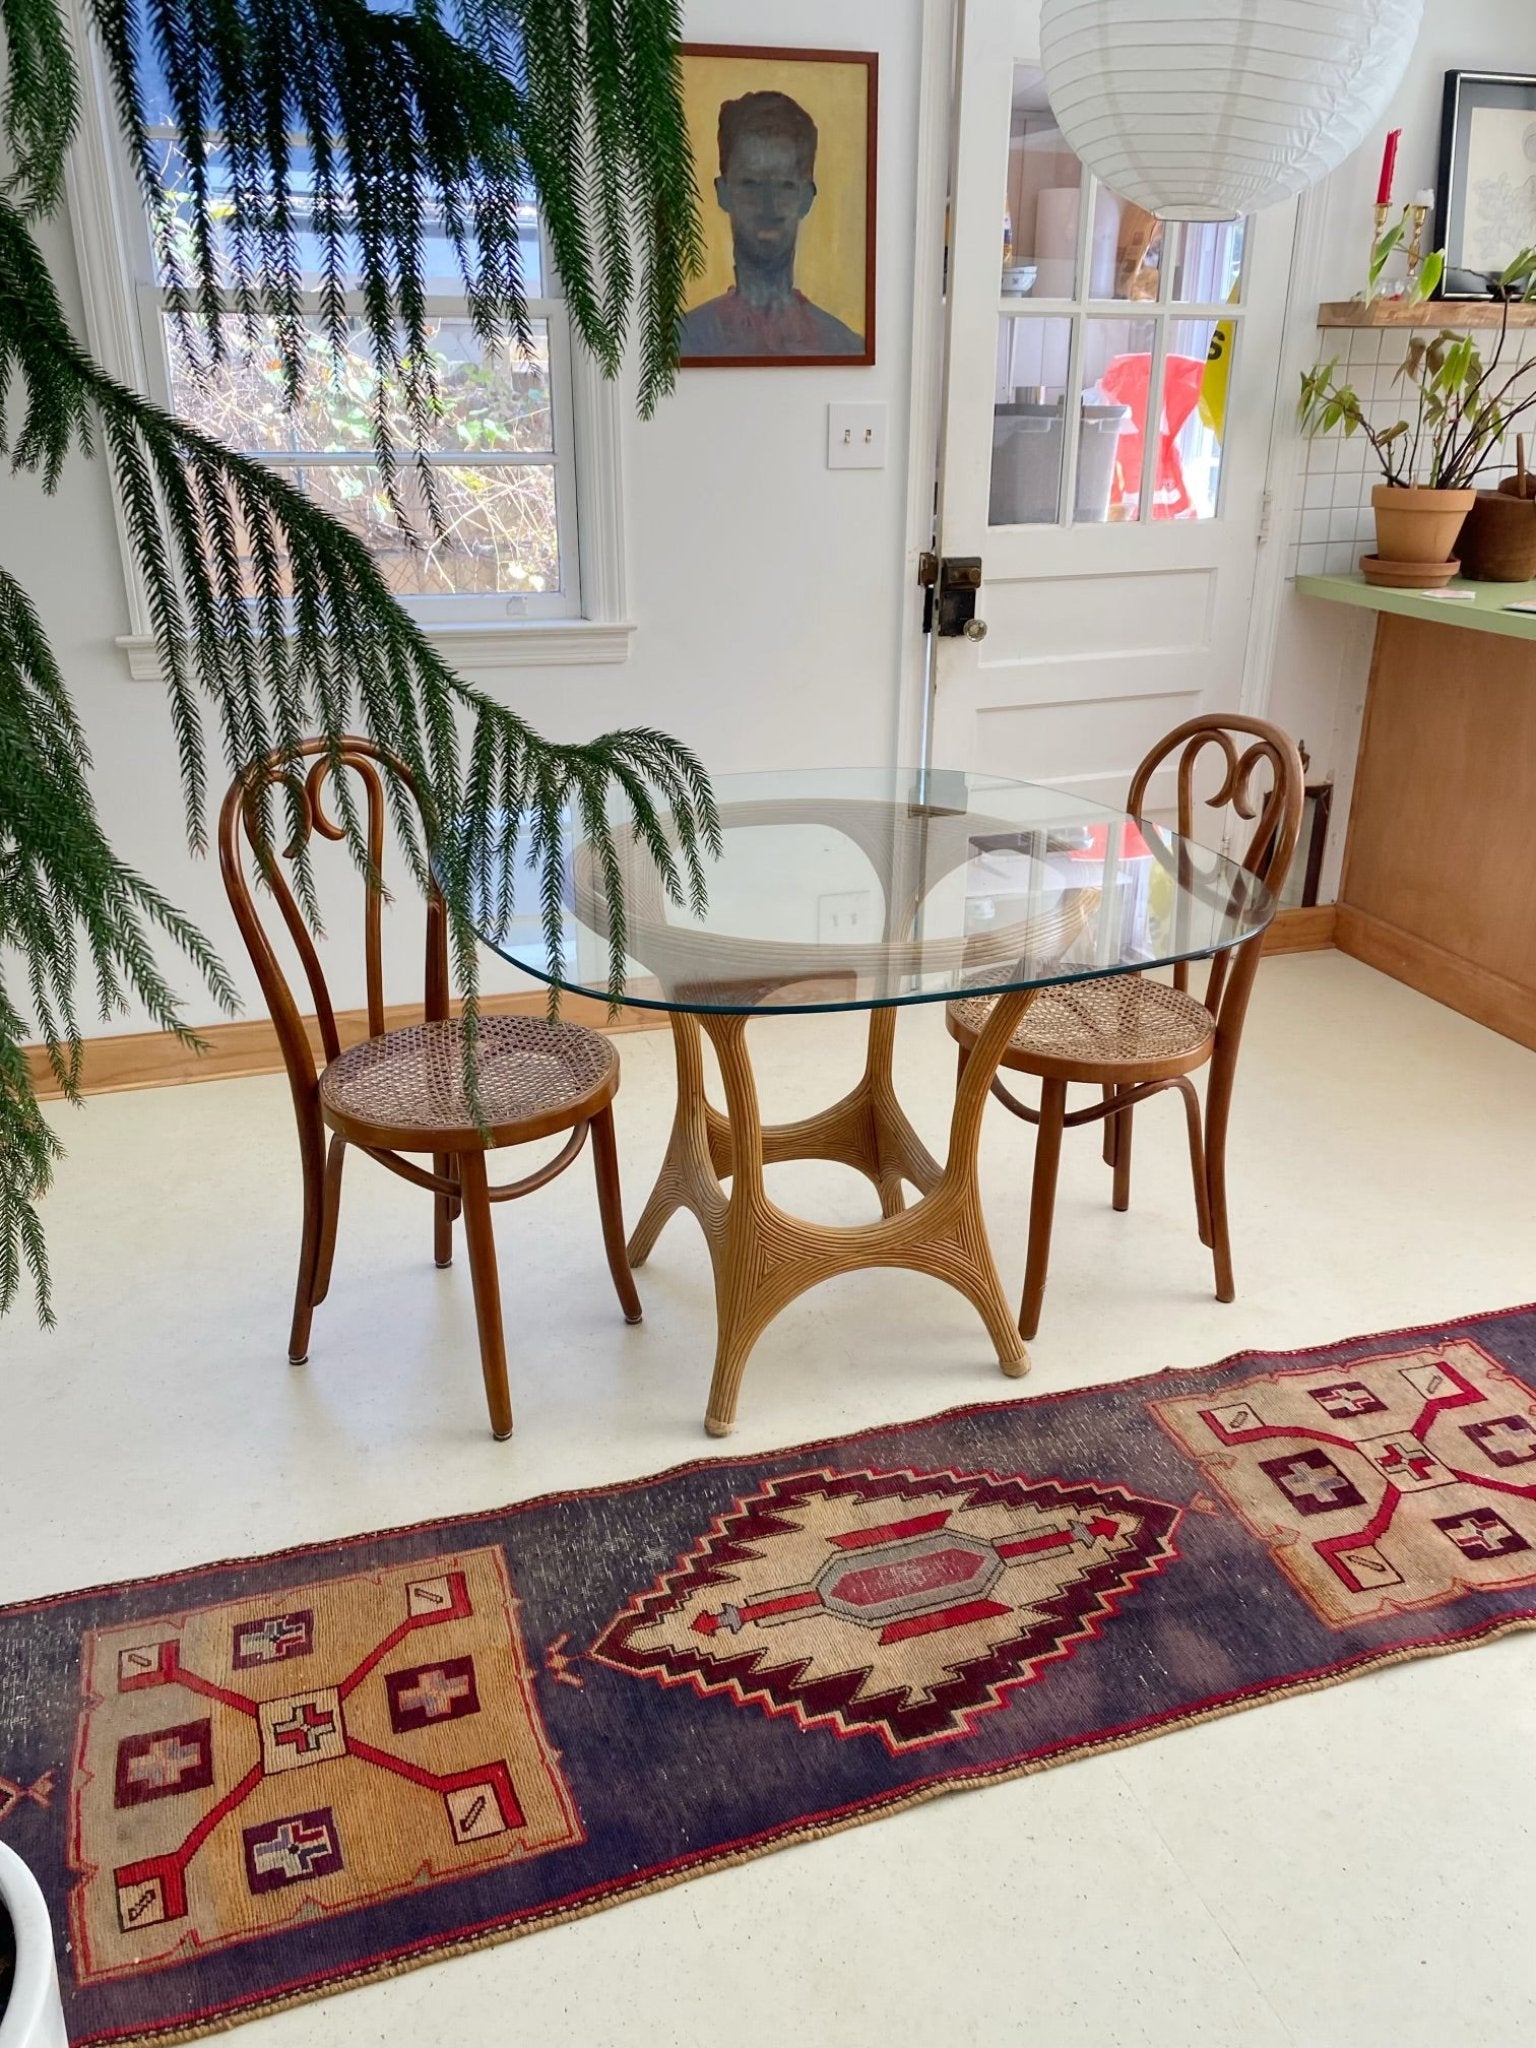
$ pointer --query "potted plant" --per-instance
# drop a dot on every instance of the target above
(1463, 406)
(30, 2013)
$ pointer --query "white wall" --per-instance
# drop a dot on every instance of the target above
(768, 591)
(1322, 650)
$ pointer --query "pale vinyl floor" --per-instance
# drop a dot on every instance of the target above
(1354, 1867)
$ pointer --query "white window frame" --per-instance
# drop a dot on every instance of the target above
(122, 323)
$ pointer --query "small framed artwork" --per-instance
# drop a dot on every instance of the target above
(1486, 199)
(784, 150)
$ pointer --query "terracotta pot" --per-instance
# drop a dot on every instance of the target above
(1408, 575)
(1498, 542)
(1418, 525)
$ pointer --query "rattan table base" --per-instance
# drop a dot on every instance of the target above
(763, 1257)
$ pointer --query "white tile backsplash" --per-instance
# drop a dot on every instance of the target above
(1334, 519)
(1334, 523)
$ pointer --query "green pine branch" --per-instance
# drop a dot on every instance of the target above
(41, 100)
(62, 892)
(271, 619)
(574, 106)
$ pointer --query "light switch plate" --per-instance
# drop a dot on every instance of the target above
(856, 436)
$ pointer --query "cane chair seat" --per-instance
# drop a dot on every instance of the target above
(534, 1077)
(1092, 1030)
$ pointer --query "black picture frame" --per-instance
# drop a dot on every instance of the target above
(1465, 93)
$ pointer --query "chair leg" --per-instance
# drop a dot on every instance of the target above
(1122, 1162)
(960, 1065)
(481, 1240)
(1042, 1202)
(1186, 1088)
(1218, 1107)
(442, 1212)
(313, 1161)
(1111, 1128)
(610, 1205)
(335, 1160)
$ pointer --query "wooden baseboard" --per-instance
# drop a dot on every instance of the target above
(1308, 930)
(1493, 999)
(153, 1059)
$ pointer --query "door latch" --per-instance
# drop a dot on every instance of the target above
(951, 584)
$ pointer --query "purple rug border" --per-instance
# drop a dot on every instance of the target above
(719, 1462)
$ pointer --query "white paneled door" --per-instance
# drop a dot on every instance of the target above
(1109, 393)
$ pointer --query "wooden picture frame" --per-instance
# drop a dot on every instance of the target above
(789, 277)
(1485, 210)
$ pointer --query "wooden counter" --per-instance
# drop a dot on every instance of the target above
(1439, 881)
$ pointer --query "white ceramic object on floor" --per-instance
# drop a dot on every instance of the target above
(33, 2016)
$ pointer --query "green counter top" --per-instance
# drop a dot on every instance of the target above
(1485, 614)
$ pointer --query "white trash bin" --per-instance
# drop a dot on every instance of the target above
(33, 2016)
(1026, 463)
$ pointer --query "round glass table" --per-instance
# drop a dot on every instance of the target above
(868, 889)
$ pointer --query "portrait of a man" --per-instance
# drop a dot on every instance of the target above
(789, 215)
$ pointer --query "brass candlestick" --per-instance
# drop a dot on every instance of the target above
(1370, 269)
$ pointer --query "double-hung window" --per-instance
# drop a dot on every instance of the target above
(522, 452)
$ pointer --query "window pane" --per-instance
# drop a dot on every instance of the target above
(1117, 369)
(1208, 261)
(1125, 253)
(500, 533)
(1196, 380)
(489, 407)
(1043, 197)
(440, 264)
(1033, 359)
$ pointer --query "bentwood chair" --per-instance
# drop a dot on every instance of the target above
(402, 1091)
(1132, 1037)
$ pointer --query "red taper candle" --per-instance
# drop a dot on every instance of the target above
(1388, 166)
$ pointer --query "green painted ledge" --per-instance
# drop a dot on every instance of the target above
(1486, 614)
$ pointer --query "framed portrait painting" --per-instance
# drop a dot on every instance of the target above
(1486, 200)
(784, 150)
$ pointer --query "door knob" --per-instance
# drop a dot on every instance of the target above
(975, 629)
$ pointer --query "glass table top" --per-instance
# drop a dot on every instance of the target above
(847, 889)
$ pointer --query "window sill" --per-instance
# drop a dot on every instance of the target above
(534, 643)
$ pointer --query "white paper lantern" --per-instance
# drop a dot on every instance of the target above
(1206, 109)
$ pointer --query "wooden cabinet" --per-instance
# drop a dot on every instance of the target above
(1439, 881)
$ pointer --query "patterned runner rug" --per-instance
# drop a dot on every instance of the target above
(248, 1784)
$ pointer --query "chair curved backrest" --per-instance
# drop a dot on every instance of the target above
(1261, 782)
(239, 821)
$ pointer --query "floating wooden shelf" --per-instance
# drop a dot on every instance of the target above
(1434, 313)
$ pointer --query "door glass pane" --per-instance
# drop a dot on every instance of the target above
(1041, 206)
(1208, 261)
(1033, 365)
(1125, 251)
(1117, 371)
(1196, 379)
